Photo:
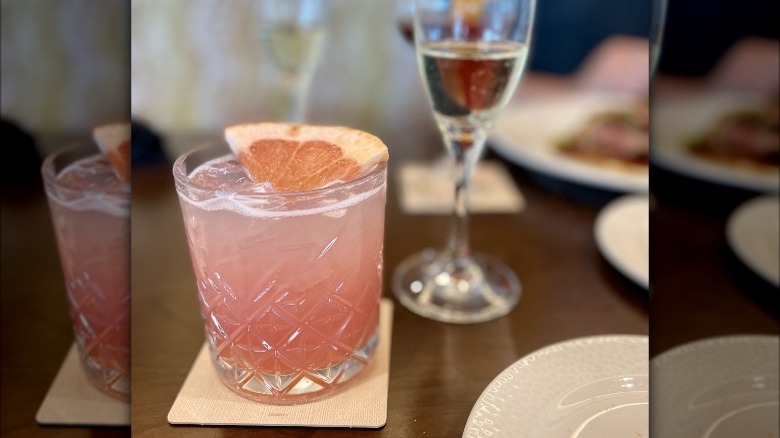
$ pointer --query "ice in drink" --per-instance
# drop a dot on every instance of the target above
(90, 211)
(289, 282)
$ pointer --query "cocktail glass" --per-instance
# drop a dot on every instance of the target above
(90, 211)
(289, 282)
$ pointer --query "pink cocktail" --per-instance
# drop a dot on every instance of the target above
(90, 211)
(289, 282)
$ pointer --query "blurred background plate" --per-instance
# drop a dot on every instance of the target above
(753, 233)
(527, 133)
(622, 232)
(682, 118)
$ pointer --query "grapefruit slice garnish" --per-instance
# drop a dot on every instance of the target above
(114, 142)
(302, 157)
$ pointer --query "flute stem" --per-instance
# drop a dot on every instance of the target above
(465, 148)
(297, 90)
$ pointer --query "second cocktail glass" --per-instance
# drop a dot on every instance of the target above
(471, 54)
(90, 213)
(289, 282)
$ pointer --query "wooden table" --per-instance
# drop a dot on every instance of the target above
(437, 370)
(700, 288)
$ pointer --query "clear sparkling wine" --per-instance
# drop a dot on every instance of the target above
(295, 48)
(469, 81)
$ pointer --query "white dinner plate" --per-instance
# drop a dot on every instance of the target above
(527, 133)
(622, 232)
(586, 387)
(676, 121)
(720, 387)
(753, 232)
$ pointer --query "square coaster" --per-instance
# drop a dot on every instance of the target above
(205, 400)
(73, 401)
(427, 188)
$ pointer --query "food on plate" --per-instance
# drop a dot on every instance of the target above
(747, 137)
(618, 137)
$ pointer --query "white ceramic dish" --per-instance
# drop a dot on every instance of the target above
(585, 387)
(526, 133)
(676, 121)
(720, 387)
(622, 232)
(753, 232)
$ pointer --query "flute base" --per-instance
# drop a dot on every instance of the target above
(475, 289)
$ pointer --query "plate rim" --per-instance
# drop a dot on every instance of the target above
(713, 343)
(556, 348)
(732, 231)
(599, 231)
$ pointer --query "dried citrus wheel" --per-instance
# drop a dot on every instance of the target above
(114, 142)
(302, 157)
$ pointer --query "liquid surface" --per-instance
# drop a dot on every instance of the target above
(471, 79)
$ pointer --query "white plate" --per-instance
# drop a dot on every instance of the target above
(586, 387)
(676, 121)
(753, 232)
(622, 232)
(717, 388)
(527, 133)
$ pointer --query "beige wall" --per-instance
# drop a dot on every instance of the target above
(198, 65)
(64, 63)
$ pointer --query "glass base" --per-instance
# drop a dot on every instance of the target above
(112, 381)
(477, 289)
(298, 387)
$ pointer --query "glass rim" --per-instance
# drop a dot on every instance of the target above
(183, 178)
(84, 149)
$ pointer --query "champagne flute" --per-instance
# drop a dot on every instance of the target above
(293, 32)
(471, 54)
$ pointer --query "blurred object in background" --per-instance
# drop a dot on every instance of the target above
(147, 145)
(65, 70)
(699, 32)
(199, 65)
(619, 63)
(715, 108)
(62, 72)
(566, 32)
(750, 65)
(293, 32)
(715, 244)
(594, 45)
(23, 175)
(579, 120)
(721, 46)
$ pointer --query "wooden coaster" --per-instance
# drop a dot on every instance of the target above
(205, 400)
(73, 401)
(427, 188)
